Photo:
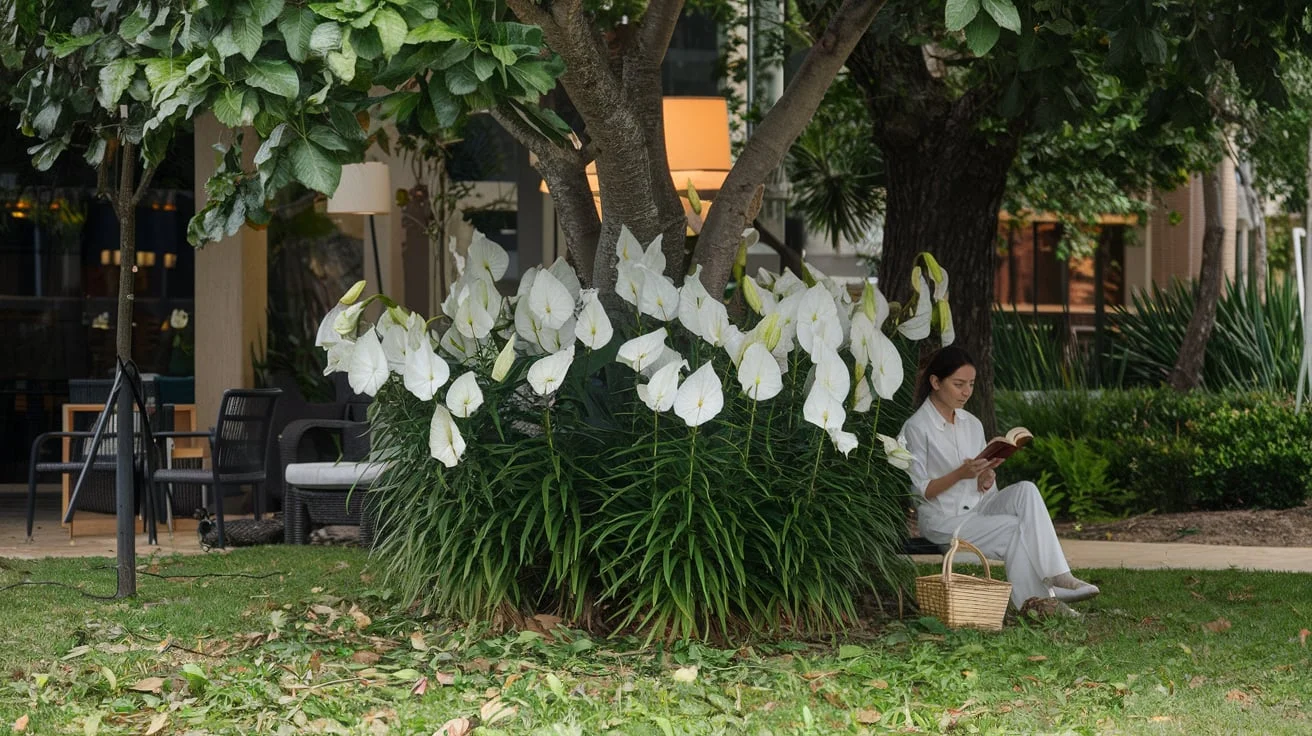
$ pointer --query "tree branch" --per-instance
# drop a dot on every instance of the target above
(534, 141)
(769, 144)
(146, 175)
(655, 32)
(529, 12)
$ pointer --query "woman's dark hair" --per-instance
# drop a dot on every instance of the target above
(943, 364)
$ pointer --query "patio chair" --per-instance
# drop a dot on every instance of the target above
(97, 493)
(238, 444)
(328, 492)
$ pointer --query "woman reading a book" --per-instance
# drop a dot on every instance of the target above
(958, 491)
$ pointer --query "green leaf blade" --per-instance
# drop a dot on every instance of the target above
(313, 167)
(275, 77)
(959, 13)
(1004, 13)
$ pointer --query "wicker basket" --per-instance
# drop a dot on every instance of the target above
(963, 601)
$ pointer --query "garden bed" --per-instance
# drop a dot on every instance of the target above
(1247, 527)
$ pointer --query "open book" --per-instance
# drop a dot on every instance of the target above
(1001, 448)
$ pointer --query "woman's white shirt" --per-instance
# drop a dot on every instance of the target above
(939, 447)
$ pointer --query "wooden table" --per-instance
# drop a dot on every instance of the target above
(90, 522)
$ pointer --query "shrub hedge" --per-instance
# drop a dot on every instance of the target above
(1168, 451)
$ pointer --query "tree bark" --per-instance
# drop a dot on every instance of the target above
(1188, 371)
(946, 180)
(124, 487)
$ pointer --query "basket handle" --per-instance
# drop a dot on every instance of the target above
(952, 551)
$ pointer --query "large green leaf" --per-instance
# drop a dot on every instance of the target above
(446, 108)
(228, 106)
(297, 26)
(959, 13)
(248, 35)
(276, 77)
(114, 79)
(326, 37)
(270, 145)
(342, 63)
(982, 34)
(434, 30)
(134, 24)
(391, 29)
(45, 121)
(535, 76)
(45, 154)
(67, 44)
(460, 79)
(1005, 13)
(330, 10)
(328, 139)
(484, 66)
(266, 10)
(313, 167)
(164, 76)
(224, 44)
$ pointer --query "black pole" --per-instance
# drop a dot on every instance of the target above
(378, 268)
(1100, 256)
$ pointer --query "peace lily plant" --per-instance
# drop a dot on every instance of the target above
(549, 477)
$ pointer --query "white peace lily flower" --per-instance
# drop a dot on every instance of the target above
(547, 374)
(713, 318)
(553, 341)
(348, 319)
(844, 442)
(505, 359)
(550, 301)
(453, 247)
(425, 373)
(327, 334)
(653, 257)
(368, 370)
(528, 325)
(179, 319)
(627, 248)
(822, 409)
(917, 326)
(735, 342)
(464, 397)
(487, 256)
(895, 450)
(339, 357)
(629, 281)
(700, 397)
(564, 273)
(658, 394)
(885, 367)
(444, 440)
(862, 338)
(692, 298)
(670, 355)
(814, 312)
(659, 297)
(941, 285)
(593, 329)
(639, 352)
(462, 349)
(526, 284)
(473, 319)
(831, 374)
(788, 284)
(765, 278)
(400, 338)
(816, 336)
(759, 373)
(862, 399)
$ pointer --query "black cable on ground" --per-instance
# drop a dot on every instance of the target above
(59, 585)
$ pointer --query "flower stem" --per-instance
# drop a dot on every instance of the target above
(551, 444)
(870, 452)
(751, 424)
(692, 456)
(815, 470)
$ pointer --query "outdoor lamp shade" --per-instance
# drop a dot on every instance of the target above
(696, 144)
(365, 189)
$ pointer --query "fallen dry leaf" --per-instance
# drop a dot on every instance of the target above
(316, 662)
(509, 680)
(834, 699)
(1218, 626)
(157, 724)
(417, 641)
(1197, 596)
(148, 685)
(1160, 719)
(360, 617)
(1037, 658)
(1239, 696)
(547, 621)
(443, 678)
(364, 656)
(867, 716)
(20, 725)
(495, 710)
(879, 684)
(1302, 637)
(1197, 681)
(455, 727)
(421, 686)
(168, 642)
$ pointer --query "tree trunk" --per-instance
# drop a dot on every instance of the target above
(1188, 371)
(943, 197)
(125, 485)
(1257, 232)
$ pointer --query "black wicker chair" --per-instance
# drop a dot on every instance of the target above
(326, 492)
(238, 444)
(97, 493)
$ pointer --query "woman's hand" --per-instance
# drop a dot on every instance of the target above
(973, 468)
(985, 480)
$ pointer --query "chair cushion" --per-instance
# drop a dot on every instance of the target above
(333, 475)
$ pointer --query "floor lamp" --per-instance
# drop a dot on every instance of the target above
(365, 189)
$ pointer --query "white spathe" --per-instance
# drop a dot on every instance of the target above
(629, 278)
(327, 334)
(639, 352)
(462, 349)
(464, 397)
(862, 398)
(886, 372)
(473, 320)
(505, 359)
(444, 440)
(425, 373)
(759, 373)
(547, 374)
(658, 297)
(564, 273)
(831, 373)
(843, 441)
(550, 301)
(917, 326)
(896, 452)
(593, 328)
(627, 247)
(339, 357)
(653, 257)
(487, 256)
(700, 397)
(659, 393)
(862, 338)
(368, 370)
(822, 409)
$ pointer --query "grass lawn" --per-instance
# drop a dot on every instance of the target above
(319, 647)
